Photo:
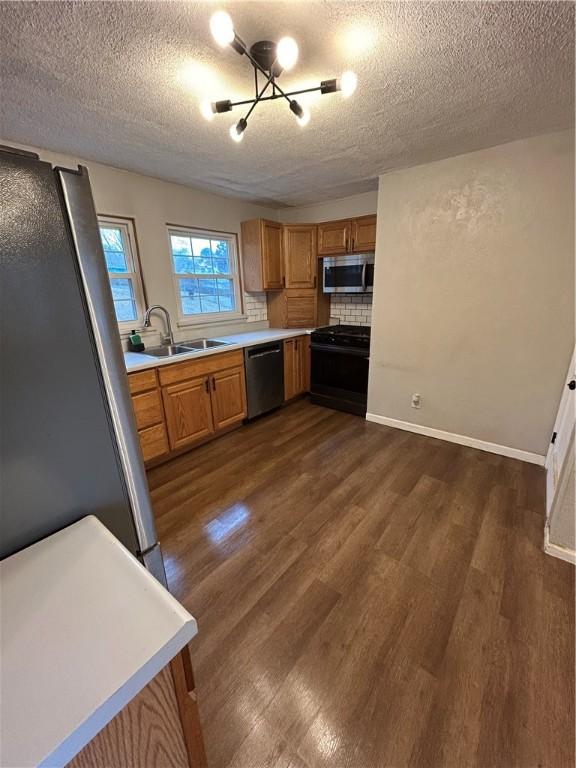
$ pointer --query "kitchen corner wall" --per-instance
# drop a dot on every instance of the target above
(153, 203)
(346, 309)
(474, 293)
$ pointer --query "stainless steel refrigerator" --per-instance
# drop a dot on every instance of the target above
(69, 445)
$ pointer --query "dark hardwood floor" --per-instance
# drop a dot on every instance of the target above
(368, 598)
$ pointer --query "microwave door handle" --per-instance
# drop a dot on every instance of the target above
(364, 277)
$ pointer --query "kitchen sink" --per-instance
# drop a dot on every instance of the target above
(202, 344)
(185, 347)
(166, 350)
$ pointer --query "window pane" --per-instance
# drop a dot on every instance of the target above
(113, 246)
(189, 296)
(226, 295)
(122, 288)
(201, 247)
(125, 310)
(180, 245)
(221, 257)
(183, 265)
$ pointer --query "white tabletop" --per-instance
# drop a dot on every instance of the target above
(84, 628)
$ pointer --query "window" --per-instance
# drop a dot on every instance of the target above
(205, 267)
(119, 246)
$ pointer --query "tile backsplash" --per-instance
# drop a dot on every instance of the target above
(348, 309)
(255, 307)
(352, 309)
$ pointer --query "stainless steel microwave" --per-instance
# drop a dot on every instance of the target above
(348, 274)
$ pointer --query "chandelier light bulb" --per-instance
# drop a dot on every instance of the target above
(206, 110)
(222, 28)
(304, 118)
(237, 130)
(287, 52)
(348, 83)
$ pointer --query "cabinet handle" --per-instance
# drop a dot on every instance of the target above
(314, 281)
(207, 386)
(283, 281)
(352, 244)
(213, 384)
(296, 343)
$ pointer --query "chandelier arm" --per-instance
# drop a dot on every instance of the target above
(261, 69)
(258, 98)
(276, 96)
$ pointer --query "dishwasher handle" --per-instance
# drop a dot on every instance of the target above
(260, 352)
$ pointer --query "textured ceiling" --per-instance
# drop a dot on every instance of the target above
(119, 83)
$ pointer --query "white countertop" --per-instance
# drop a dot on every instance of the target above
(136, 361)
(84, 628)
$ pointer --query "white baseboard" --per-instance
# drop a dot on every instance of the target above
(569, 555)
(450, 437)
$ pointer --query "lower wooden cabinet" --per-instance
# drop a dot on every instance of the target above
(188, 412)
(228, 397)
(149, 414)
(185, 403)
(153, 441)
(159, 727)
(296, 366)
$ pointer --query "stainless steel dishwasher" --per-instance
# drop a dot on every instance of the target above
(264, 377)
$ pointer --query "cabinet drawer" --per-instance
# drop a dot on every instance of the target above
(191, 369)
(147, 408)
(142, 380)
(153, 442)
(300, 310)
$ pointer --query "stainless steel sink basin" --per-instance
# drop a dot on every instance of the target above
(185, 347)
(203, 344)
(166, 351)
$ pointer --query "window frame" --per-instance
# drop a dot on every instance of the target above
(207, 318)
(128, 234)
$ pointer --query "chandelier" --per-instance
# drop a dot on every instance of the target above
(268, 61)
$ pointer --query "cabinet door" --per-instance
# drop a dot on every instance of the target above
(300, 365)
(364, 234)
(272, 255)
(188, 411)
(289, 369)
(305, 362)
(301, 309)
(334, 237)
(228, 397)
(300, 256)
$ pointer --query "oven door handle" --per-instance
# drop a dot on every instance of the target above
(340, 350)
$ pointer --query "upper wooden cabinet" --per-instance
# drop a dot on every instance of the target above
(347, 236)
(364, 234)
(300, 256)
(262, 255)
(333, 237)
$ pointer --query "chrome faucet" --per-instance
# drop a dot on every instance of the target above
(169, 337)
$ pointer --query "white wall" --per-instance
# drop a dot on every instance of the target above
(474, 292)
(152, 204)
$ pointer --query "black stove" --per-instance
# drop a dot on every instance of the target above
(340, 355)
(357, 336)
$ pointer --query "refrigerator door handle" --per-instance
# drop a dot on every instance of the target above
(85, 233)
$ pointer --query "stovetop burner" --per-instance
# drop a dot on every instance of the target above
(343, 335)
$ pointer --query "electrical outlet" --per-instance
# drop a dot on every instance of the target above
(416, 400)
